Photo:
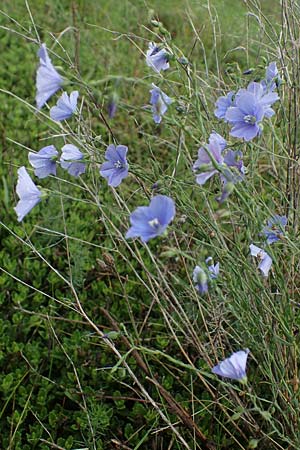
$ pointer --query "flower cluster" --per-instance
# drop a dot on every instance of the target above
(45, 161)
(245, 109)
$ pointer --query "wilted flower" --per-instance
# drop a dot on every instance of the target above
(28, 194)
(150, 221)
(65, 107)
(200, 279)
(157, 58)
(48, 80)
(160, 102)
(69, 160)
(208, 160)
(116, 167)
(272, 79)
(112, 105)
(223, 103)
(213, 269)
(44, 161)
(233, 367)
(265, 260)
(275, 228)
(212, 160)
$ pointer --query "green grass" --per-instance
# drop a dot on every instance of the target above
(69, 278)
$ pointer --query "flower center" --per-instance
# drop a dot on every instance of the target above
(250, 119)
(118, 164)
(154, 223)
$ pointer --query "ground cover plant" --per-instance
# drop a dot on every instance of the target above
(150, 226)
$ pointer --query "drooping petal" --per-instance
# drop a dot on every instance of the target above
(27, 192)
(246, 131)
(202, 178)
(71, 152)
(157, 58)
(65, 106)
(44, 161)
(233, 367)
(48, 80)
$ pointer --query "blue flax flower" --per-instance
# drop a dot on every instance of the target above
(44, 161)
(116, 167)
(157, 58)
(70, 160)
(223, 103)
(233, 367)
(275, 228)
(251, 106)
(245, 116)
(266, 99)
(147, 222)
(265, 260)
(28, 194)
(65, 107)
(160, 102)
(48, 80)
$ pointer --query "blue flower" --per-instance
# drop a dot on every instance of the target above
(251, 106)
(150, 221)
(245, 116)
(69, 160)
(275, 228)
(116, 167)
(65, 107)
(266, 99)
(265, 260)
(223, 103)
(44, 161)
(28, 194)
(200, 279)
(157, 58)
(233, 367)
(48, 80)
(160, 102)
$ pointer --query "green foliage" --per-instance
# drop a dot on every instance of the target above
(67, 377)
